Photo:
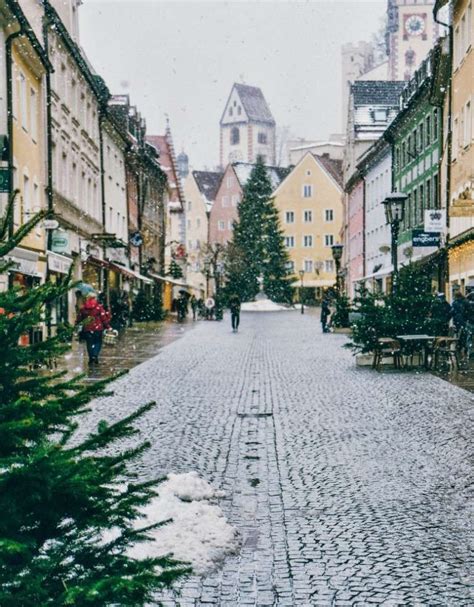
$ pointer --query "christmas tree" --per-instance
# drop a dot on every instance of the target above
(257, 248)
(175, 270)
(61, 498)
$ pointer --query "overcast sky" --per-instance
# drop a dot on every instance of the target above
(180, 59)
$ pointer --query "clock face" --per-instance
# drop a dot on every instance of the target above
(415, 25)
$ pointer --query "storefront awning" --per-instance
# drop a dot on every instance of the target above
(130, 273)
(318, 282)
(380, 273)
(173, 281)
(24, 262)
(97, 262)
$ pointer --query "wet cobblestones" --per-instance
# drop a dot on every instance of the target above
(348, 487)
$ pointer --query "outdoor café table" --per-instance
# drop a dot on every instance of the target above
(417, 340)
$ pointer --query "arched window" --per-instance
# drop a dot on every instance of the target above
(234, 136)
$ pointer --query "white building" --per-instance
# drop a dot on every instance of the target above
(376, 168)
(247, 127)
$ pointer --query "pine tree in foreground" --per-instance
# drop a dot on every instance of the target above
(257, 248)
(61, 500)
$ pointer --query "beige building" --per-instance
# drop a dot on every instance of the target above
(200, 188)
(309, 202)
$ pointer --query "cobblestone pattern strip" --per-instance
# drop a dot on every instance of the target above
(349, 487)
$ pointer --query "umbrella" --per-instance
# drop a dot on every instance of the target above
(85, 288)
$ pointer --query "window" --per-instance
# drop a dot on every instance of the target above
(189, 224)
(307, 191)
(421, 202)
(189, 205)
(308, 266)
(329, 265)
(229, 224)
(198, 222)
(328, 240)
(435, 192)
(262, 138)
(404, 155)
(221, 225)
(290, 266)
(289, 217)
(380, 115)
(23, 102)
(428, 194)
(239, 110)
(428, 130)
(467, 124)
(328, 215)
(414, 213)
(33, 115)
(455, 138)
(420, 137)
(308, 173)
(308, 216)
(289, 242)
(435, 124)
(230, 181)
(234, 136)
(308, 241)
(235, 200)
(230, 111)
(225, 201)
(26, 196)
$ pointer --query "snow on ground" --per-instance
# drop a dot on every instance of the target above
(199, 533)
(263, 305)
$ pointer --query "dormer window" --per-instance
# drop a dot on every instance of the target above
(234, 136)
(239, 110)
(230, 111)
(379, 115)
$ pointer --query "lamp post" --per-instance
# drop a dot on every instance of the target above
(301, 273)
(336, 250)
(394, 213)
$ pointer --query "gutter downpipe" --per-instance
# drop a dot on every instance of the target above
(105, 282)
(449, 139)
(9, 73)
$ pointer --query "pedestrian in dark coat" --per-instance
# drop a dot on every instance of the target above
(441, 314)
(234, 306)
(325, 314)
(459, 311)
(194, 306)
(95, 319)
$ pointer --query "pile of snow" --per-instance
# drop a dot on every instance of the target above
(262, 305)
(199, 533)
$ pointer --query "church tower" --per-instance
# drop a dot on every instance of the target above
(247, 127)
(411, 33)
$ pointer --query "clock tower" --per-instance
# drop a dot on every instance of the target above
(411, 33)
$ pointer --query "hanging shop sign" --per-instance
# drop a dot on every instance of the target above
(23, 262)
(435, 220)
(4, 180)
(50, 224)
(136, 239)
(60, 241)
(58, 263)
(421, 238)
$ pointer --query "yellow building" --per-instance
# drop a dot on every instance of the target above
(309, 202)
(26, 66)
(461, 167)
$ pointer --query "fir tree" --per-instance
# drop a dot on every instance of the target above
(59, 498)
(257, 248)
(175, 270)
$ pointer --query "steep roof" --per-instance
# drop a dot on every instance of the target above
(164, 144)
(208, 183)
(377, 92)
(254, 103)
(332, 166)
(275, 174)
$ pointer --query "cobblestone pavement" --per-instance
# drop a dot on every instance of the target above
(348, 486)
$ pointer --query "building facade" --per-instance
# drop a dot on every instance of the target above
(355, 242)
(247, 127)
(309, 205)
(411, 34)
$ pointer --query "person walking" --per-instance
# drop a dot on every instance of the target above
(325, 314)
(441, 314)
(95, 319)
(234, 306)
(194, 306)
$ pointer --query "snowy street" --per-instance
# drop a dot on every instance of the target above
(346, 486)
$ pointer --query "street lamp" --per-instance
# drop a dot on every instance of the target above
(301, 273)
(394, 213)
(337, 255)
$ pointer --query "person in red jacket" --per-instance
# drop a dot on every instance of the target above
(94, 319)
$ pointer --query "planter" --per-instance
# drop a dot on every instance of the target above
(364, 360)
(344, 330)
(354, 317)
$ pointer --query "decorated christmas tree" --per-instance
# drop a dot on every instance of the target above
(276, 278)
(175, 270)
(70, 507)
